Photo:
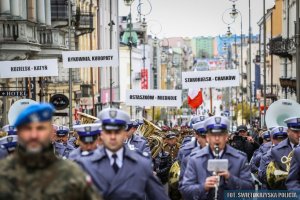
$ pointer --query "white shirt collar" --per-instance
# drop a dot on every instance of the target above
(119, 153)
(293, 145)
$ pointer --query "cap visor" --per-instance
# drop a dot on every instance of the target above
(112, 128)
(295, 128)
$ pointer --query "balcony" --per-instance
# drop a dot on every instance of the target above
(53, 38)
(288, 83)
(17, 38)
(281, 47)
(84, 22)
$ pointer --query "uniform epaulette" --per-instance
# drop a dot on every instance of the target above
(193, 154)
(241, 152)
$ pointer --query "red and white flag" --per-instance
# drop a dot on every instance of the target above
(195, 98)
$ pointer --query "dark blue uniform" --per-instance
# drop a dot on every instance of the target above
(255, 161)
(63, 150)
(274, 154)
(293, 180)
(134, 180)
(185, 150)
(196, 174)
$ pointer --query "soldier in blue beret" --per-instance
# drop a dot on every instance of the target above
(88, 141)
(281, 147)
(135, 141)
(198, 182)
(34, 168)
(62, 147)
(118, 172)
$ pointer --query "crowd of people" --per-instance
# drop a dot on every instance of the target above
(118, 158)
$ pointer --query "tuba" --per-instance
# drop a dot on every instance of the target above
(275, 116)
(173, 182)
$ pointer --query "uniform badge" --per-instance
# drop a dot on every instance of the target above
(11, 128)
(61, 128)
(113, 113)
(298, 120)
(46, 114)
(34, 118)
(9, 139)
(87, 129)
(202, 118)
(218, 120)
(280, 129)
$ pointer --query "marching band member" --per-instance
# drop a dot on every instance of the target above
(280, 150)
(198, 183)
(118, 172)
(88, 141)
(171, 145)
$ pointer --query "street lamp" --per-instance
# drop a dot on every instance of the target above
(234, 13)
(228, 33)
(128, 2)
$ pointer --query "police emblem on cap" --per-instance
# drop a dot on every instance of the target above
(113, 113)
(11, 128)
(218, 120)
(87, 129)
(9, 139)
(61, 128)
(280, 129)
(202, 118)
(298, 120)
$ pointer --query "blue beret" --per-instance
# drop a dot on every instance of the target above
(10, 130)
(35, 113)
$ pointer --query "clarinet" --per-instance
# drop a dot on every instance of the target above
(217, 156)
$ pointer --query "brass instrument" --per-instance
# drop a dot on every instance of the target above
(147, 129)
(277, 177)
(275, 116)
(156, 145)
(173, 181)
(86, 118)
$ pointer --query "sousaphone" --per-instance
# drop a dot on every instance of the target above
(16, 109)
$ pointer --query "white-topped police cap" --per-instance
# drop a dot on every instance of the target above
(10, 130)
(200, 128)
(217, 124)
(266, 135)
(279, 132)
(62, 130)
(88, 132)
(293, 123)
(113, 119)
(9, 142)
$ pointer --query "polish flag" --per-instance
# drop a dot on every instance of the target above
(195, 98)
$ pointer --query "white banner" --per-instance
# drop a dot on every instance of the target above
(210, 79)
(28, 68)
(95, 58)
(163, 98)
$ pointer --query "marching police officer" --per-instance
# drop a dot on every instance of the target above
(135, 141)
(255, 161)
(199, 183)
(200, 138)
(118, 172)
(281, 149)
(34, 171)
(88, 141)
(62, 147)
(201, 143)
(8, 143)
(293, 179)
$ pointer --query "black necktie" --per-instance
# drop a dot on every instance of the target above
(115, 166)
